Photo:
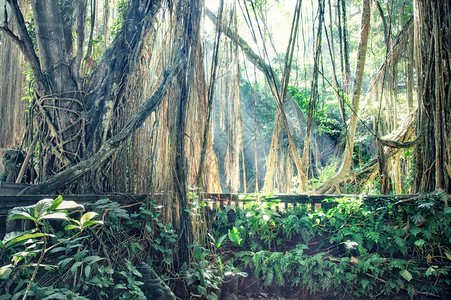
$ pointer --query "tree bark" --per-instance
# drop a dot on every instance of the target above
(433, 153)
(13, 83)
(410, 67)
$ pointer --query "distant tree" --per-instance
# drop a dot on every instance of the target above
(344, 172)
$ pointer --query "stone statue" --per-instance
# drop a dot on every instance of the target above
(12, 162)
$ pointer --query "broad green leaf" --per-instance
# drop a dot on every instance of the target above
(87, 217)
(70, 205)
(149, 228)
(221, 240)
(24, 238)
(430, 270)
(75, 221)
(55, 203)
(212, 296)
(419, 243)
(93, 259)
(87, 271)
(64, 262)
(81, 254)
(12, 235)
(235, 236)
(58, 249)
(31, 212)
(448, 255)
(57, 296)
(70, 227)
(197, 252)
(5, 271)
(92, 222)
(40, 208)
(59, 216)
(17, 214)
(202, 290)
(406, 275)
(121, 286)
(75, 266)
(136, 272)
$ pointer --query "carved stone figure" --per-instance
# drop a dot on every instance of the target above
(12, 162)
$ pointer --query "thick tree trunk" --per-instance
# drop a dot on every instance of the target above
(72, 121)
(110, 146)
(58, 98)
(13, 83)
(433, 154)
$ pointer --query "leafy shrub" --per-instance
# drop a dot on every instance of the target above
(76, 256)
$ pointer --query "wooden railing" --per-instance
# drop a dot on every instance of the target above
(213, 200)
(216, 200)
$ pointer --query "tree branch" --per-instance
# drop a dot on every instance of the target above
(250, 54)
(24, 42)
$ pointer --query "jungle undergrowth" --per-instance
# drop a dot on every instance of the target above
(72, 254)
(358, 249)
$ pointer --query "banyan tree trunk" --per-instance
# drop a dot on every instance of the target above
(433, 153)
(13, 84)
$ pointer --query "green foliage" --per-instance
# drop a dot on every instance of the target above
(68, 250)
(235, 237)
(356, 248)
(164, 237)
(118, 23)
(201, 275)
(34, 243)
(204, 274)
(131, 287)
(326, 115)
(324, 174)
